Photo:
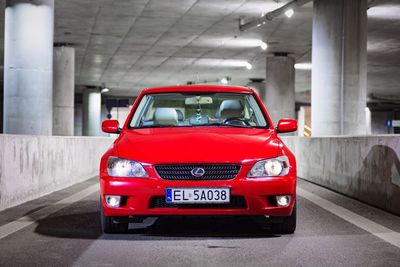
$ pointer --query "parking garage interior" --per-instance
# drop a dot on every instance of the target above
(68, 65)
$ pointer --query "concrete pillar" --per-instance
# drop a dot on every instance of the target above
(301, 120)
(1, 104)
(339, 73)
(279, 92)
(78, 120)
(258, 85)
(92, 112)
(63, 90)
(28, 67)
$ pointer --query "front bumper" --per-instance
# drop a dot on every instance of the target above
(138, 194)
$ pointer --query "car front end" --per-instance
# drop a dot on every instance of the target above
(197, 169)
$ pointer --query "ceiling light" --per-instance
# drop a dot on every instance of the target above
(238, 42)
(104, 90)
(303, 66)
(248, 66)
(289, 13)
(233, 63)
(387, 11)
(225, 80)
(263, 45)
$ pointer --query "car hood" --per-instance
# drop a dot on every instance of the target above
(197, 145)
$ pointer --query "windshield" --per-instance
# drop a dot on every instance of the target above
(205, 109)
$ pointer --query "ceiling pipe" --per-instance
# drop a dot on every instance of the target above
(245, 26)
(270, 15)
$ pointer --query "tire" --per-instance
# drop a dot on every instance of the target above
(288, 226)
(109, 226)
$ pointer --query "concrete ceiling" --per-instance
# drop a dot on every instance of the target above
(133, 44)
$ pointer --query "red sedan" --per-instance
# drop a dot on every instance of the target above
(198, 150)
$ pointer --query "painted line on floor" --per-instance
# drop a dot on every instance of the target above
(374, 228)
(25, 221)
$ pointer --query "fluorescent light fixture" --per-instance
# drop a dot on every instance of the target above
(263, 45)
(234, 63)
(387, 11)
(224, 63)
(104, 90)
(303, 66)
(289, 13)
(224, 80)
(239, 42)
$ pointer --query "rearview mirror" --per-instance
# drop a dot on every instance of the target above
(202, 100)
(110, 126)
(286, 126)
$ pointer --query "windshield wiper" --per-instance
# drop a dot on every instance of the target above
(223, 125)
(157, 126)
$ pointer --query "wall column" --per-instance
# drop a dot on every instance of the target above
(92, 112)
(279, 92)
(63, 90)
(28, 67)
(339, 71)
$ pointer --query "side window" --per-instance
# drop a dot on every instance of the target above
(140, 110)
(255, 109)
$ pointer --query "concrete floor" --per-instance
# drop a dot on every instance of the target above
(71, 236)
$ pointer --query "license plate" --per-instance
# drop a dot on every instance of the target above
(197, 195)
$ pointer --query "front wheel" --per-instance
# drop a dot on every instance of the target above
(288, 226)
(109, 226)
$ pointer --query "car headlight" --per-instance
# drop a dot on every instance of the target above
(270, 167)
(118, 167)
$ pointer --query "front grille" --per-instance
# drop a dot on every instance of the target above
(237, 202)
(211, 171)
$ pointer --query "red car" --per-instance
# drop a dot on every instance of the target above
(198, 150)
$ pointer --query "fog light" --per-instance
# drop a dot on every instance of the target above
(283, 201)
(113, 201)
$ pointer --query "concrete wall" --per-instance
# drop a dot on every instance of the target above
(32, 166)
(366, 168)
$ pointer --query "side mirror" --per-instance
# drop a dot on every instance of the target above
(286, 126)
(110, 126)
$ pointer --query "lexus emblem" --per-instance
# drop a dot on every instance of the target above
(198, 172)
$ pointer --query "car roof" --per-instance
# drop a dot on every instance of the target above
(199, 88)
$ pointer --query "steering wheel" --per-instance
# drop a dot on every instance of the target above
(227, 120)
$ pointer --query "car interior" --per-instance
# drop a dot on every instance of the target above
(200, 110)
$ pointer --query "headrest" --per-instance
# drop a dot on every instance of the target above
(180, 115)
(165, 116)
(231, 109)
